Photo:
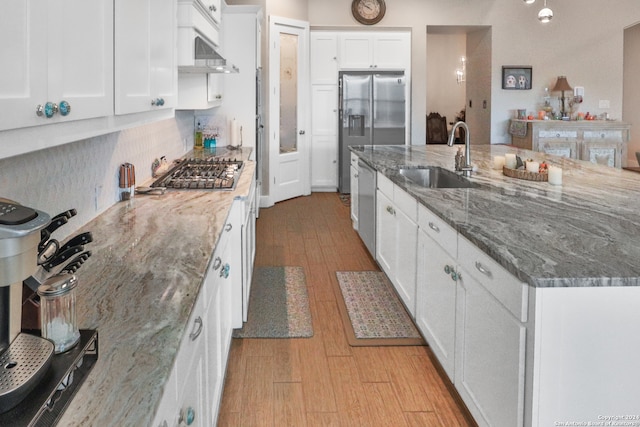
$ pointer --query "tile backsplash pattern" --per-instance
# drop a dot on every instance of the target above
(84, 174)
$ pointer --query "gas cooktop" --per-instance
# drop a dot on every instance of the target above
(204, 174)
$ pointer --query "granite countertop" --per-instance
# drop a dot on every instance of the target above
(149, 258)
(585, 232)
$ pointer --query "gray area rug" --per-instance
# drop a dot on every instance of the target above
(278, 305)
(372, 312)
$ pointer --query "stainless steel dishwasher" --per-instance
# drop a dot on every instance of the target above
(367, 206)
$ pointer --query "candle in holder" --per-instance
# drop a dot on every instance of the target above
(533, 166)
(510, 160)
(498, 162)
(555, 175)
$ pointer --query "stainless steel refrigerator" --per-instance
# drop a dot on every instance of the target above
(372, 112)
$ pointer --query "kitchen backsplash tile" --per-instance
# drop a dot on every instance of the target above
(84, 174)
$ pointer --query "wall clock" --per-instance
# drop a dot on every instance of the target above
(368, 12)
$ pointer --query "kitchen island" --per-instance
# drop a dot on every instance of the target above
(551, 336)
(150, 258)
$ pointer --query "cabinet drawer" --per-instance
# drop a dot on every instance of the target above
(385, 185)
(603, 135)
(405, 203)
(557, 134)
(445, 235)
(504, 286)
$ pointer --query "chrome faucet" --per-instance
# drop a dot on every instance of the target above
(467, 168)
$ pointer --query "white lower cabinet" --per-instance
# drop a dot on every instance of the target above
(192, 406)
(436, 300)
(354, 194)
(193, 392)
(490, 350)
(385, 233)
(473, 314)
(397, 238)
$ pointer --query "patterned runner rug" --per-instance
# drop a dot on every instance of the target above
(278, 305)
(371, 311)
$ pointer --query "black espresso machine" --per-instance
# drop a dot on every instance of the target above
(36, 385)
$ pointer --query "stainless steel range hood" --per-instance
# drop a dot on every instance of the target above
(207, 60)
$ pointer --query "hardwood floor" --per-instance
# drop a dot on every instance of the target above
(322, 381)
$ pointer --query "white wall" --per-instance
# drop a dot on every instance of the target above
(84, 174)
(583, 42)
(444, 94)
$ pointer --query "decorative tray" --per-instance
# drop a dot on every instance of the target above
(523, 174)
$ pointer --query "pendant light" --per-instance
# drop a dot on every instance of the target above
(545, 15)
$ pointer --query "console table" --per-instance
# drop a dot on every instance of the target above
(598, 141)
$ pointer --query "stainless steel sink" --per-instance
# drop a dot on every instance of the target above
(436, 177)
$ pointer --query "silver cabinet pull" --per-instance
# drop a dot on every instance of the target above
(302, 132)
(217, 263)
(228, 227)
(482, 269)
(197, 329)
(434, 227)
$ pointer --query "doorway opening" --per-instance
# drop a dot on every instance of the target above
(459, 77)
(631, 89)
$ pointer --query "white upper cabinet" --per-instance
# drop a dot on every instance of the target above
(55, 58)
(214, 9)
(379, 50)
(145, 55)
(324, 57)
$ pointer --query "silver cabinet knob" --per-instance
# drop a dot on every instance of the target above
(228, 227)
(158, 102)
(213, 8)
(39, 110)
(302, 132)
(217, 263)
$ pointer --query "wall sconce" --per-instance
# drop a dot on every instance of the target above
(461, 73)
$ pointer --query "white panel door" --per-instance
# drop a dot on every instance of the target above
(392, 50)
(145, 55)
(490, 356)
(324, 57)
(324, 109)
(324, 162)
(289, 163)
(55, 51)
(385, 233)
(406, 242)
(436, 300)
(23, 34)
(356, 50)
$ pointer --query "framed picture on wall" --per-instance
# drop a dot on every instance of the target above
(516, 77)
